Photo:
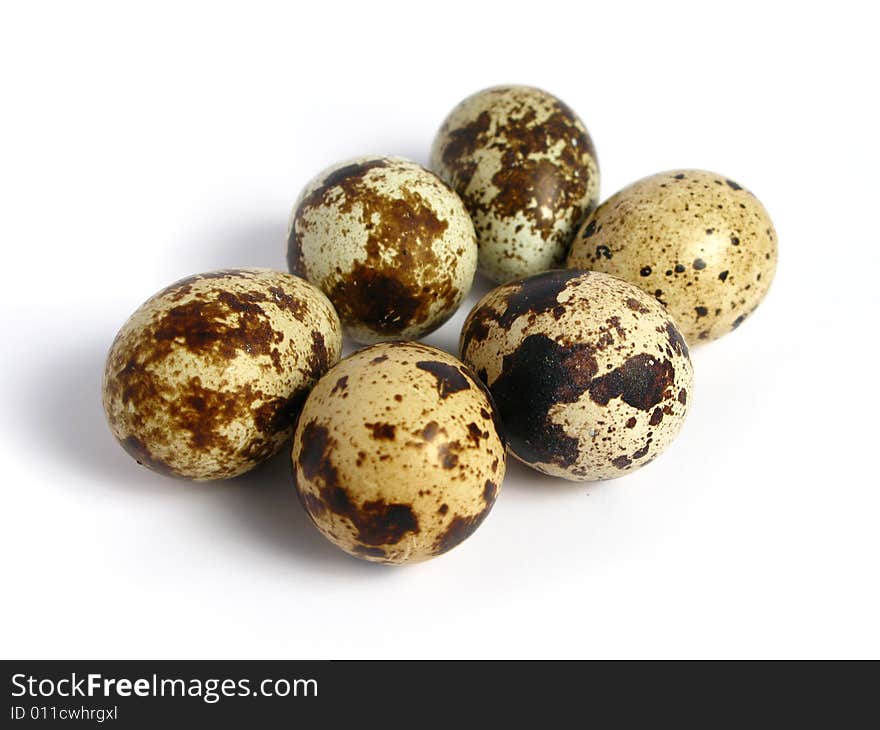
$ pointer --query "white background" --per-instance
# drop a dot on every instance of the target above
(143, 142)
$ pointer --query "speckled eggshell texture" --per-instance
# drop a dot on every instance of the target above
(527, 171)
(591, 376)
(205, 378)
(388, 242)
(698, 242)
(397, 456)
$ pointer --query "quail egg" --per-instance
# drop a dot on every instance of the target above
(527, 171)
(397, 456)
(388, 242)
(698, 242)
(205, 378)
(591, 376)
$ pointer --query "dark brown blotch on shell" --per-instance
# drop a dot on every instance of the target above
(379, 299)
(475, 433)
(449, 378)
(339, 181)
(676, 340)
(202, 412)
(430, 431)
(539, 294)
(641, 382)
(461, 144)
(621, 462)
(217, 326)
(276, 415)
(319, 358)
(541, 373)
(382, 431)
(636, 306)
(479, 379)
(376, 522)
(534, 295)
(642, 452)
(140, 453)
(461, 527)
(534, 377)
(656, 417)
(448, 456)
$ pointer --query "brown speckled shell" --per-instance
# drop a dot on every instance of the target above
(205, 378)
(388, 242)
(700, 243)
(591, 376)
(527, 171)
(396, 455)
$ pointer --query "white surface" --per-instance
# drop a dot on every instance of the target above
(141, 145)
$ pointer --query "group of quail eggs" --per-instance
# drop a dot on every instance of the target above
(577, 362)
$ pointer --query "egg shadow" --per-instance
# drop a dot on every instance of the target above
(389, 143)
(417, 153)
(263, 503)
(60, 408)
(522, 479)
(261, 242)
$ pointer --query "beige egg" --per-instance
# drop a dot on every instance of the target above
(205, 379)
(698, 242)
(388, 242)
(397, 456)
(591, 376)
(527, 171)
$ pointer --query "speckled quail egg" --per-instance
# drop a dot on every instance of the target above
(527, 171)
(591, 376)
(205, 378)
(700, 243)
(388, 242)
(397, 456)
